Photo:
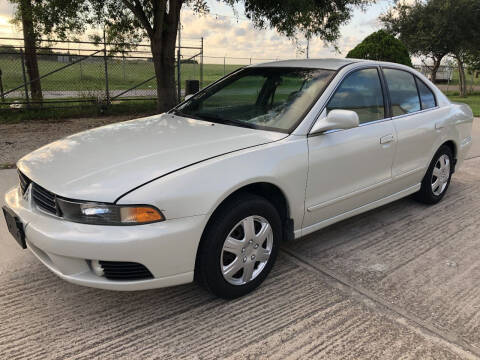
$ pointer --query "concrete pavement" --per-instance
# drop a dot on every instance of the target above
(399, 281)
(475, 149)
(10, 252)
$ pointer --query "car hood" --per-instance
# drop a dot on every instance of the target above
(104, 163)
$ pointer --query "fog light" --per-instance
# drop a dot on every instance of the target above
(97, 268)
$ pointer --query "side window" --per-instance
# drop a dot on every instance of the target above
(426, 95)
(403, 91)
(360, 92)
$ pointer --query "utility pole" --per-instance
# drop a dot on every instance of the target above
(308, 46)
(201, 66)
(105, 63)
(179, 54)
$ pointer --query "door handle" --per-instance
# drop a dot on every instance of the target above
(386, 139)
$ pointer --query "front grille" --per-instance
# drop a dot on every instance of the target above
(44, 199)
(119, 270)
(24, 182)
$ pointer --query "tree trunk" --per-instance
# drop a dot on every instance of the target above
(30, 50)
(436, 66)
(162, 32)
(462, 77)
(164, 64)
(163, 52)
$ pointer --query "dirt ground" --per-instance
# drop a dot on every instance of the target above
(17, 140)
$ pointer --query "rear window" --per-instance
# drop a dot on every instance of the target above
(403, 92)
(426, 95)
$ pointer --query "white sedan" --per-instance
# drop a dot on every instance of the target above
(209, 190)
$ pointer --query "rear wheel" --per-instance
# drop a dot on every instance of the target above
(438, 176)
(239, 246)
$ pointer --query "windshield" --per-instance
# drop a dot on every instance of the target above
(270, 98)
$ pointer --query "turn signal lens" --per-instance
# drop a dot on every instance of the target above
(140, 215)
(108, 214)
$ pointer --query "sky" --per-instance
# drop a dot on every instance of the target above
(233, 36)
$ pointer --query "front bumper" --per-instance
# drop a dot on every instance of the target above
(168, 249)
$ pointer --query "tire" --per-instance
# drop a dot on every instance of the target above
(230, 269)
(442, 165)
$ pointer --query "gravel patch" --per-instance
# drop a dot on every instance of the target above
(18, 139)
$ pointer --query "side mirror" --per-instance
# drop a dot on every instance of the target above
(188, 96)
(336, 120)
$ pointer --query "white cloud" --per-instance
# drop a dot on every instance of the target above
(236, 37)
(6, 8)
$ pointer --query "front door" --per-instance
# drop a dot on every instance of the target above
(350, 168)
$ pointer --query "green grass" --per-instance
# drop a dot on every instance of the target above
(470, 79)
(472, 100)
(90, 75)
(77, 110)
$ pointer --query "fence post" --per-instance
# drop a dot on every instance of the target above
(107, 92)
(250, 61)
(123, 63)
(471, 85)
(24, 77)
(224, 68)
(81, 68)
(201, 66)
(449, 73)
(1, 86)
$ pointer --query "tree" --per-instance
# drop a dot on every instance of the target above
(25, 16)
(437, 28)
(381, 46)
(473, 62)
(464, 36)
(39, 17)
(158, 21)
(420, 27)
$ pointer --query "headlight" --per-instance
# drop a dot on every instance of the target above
(108, 214)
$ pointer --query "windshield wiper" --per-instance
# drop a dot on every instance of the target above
(213, 118)
(178, 112)
(217, 119)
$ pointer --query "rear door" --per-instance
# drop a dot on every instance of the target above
(349, 168)
(412, 104)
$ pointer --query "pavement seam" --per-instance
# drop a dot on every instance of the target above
(426, 328)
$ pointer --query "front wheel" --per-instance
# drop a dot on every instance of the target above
(438, 176)
(239, 246)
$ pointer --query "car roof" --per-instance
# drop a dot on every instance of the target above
(328, 64)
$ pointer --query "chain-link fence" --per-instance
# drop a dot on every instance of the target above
(447, 78)
(77, 73)
(82, 72)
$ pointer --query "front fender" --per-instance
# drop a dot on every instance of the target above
(200, 188)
